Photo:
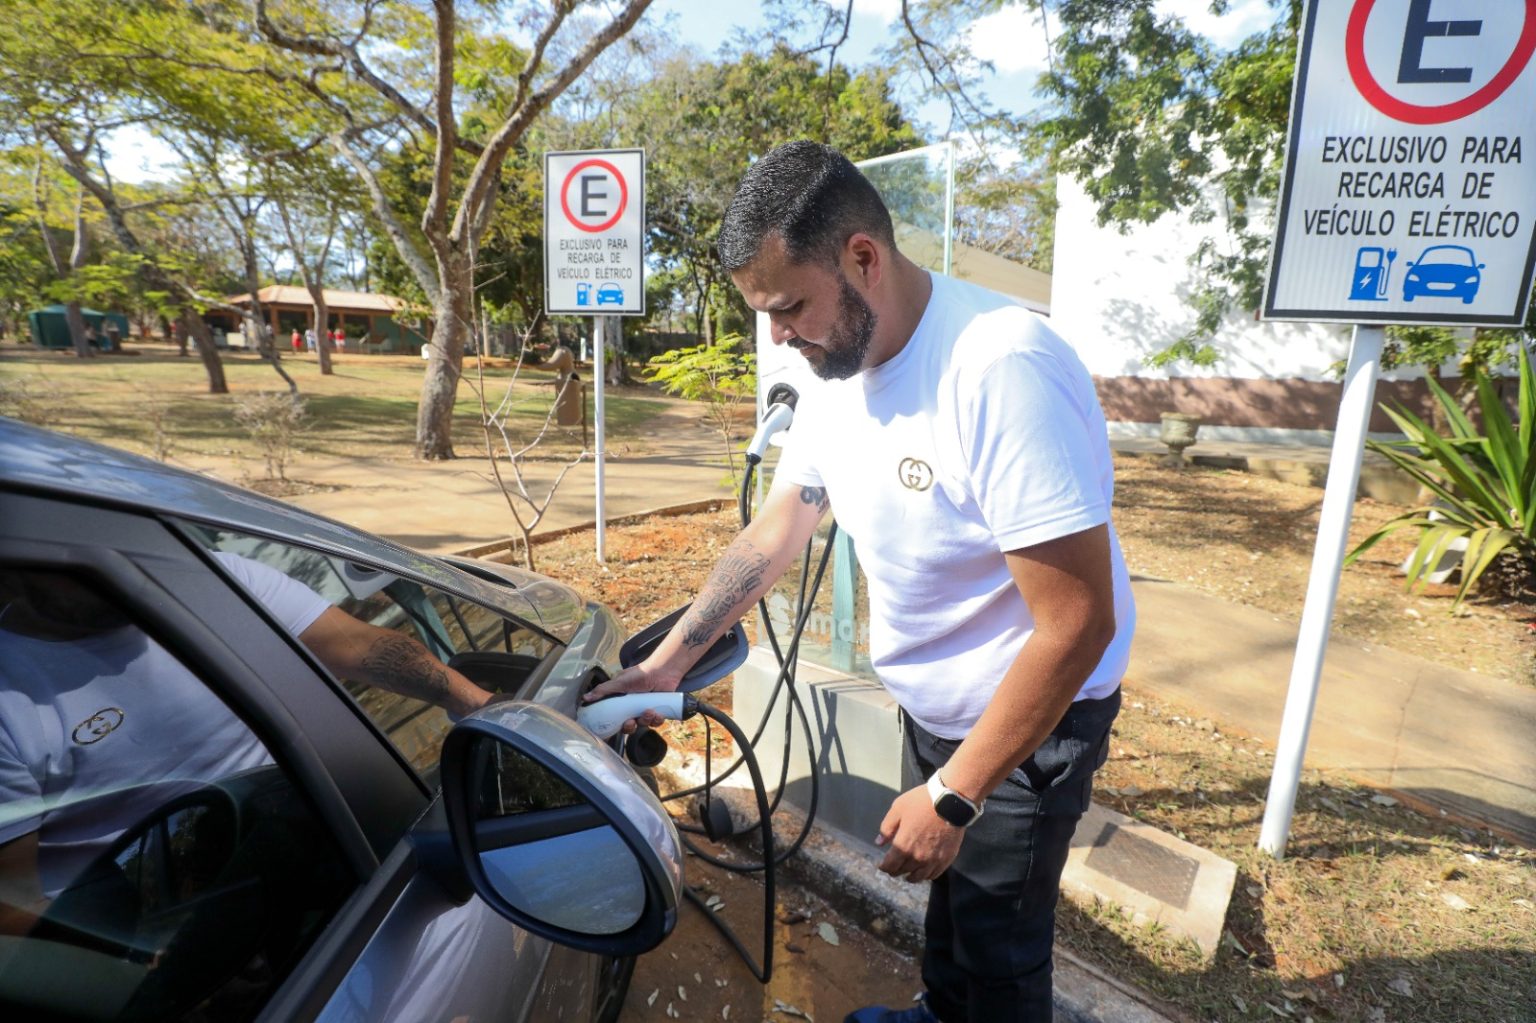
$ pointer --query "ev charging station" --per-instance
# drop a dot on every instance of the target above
(1409, 134)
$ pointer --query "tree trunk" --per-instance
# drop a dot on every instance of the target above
(193, 324)
(440, 385)
(74, 319)
(322, 339)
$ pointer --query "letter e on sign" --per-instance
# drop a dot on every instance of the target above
(601, 194)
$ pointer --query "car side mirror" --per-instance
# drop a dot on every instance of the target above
(557, 833)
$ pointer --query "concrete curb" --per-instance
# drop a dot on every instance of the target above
(843, 872)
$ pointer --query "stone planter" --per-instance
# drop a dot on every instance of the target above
(1178, 433)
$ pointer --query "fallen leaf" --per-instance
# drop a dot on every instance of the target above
(1242, 1006)
(1524, 903)
(1338, 981)
(652, 1000)
(1383, 800)
(1282, 1013)
(828, 933)
(1254, 891)
(1400, 985)
(1376, 1015)
(682, 993)
(725, 1013)
(697, 979)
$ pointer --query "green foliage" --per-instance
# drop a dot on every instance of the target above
(723, 374)
(1485, 484)
(704, 122)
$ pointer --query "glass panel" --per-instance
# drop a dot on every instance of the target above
(413, 657)
(155, 862)
(917, 187)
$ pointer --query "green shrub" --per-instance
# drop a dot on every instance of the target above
(1484, 484)
(723, 374)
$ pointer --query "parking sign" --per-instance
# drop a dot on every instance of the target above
(594, 232)
(1410, 179)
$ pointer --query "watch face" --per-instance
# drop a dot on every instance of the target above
(954, 809)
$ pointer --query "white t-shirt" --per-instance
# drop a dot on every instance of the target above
(96, 733)
(983, 435)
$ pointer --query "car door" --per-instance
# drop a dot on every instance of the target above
(313, 828)
(429, 958)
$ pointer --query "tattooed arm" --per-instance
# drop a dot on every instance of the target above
(750, 565)
(389, 660)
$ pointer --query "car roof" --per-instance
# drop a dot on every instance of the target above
(41, 460)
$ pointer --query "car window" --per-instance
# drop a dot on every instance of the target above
(414, 657)
(156, 862)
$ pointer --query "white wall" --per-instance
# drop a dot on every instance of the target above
(1121, 297)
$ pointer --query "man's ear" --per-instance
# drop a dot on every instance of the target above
(864, 260)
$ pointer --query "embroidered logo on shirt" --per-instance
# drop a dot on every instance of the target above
(98, 726)
(914, 474)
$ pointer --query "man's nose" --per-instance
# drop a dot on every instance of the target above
(779, 330)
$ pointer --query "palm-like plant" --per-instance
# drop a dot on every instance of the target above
(1484, 484)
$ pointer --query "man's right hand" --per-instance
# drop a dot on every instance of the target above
(638, 678)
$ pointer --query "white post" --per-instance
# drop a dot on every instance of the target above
(600, 327)
(1323, 585)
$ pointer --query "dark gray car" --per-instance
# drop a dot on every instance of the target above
(255, 764)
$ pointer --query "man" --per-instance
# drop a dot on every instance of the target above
(961, 443)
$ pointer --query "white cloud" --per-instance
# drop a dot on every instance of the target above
(1243, 19)
(884, 11)
(1012, 39)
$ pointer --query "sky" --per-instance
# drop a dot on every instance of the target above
(1011, 38)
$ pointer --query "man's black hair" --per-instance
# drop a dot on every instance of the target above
(809, 195)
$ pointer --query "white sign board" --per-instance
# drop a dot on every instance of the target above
(594, 232)
(1410, 179)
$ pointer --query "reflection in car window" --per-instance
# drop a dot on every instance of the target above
(151, 849)
(413, 657)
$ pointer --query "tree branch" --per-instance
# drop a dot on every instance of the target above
(405, 245)
(488, 169)
(349, 55)
(433, 217)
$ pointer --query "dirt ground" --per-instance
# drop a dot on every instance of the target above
(695, 975)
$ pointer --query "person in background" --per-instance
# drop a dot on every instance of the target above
(297, 341)
(90, 703)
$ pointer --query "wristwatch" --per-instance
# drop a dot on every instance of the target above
(951, 805)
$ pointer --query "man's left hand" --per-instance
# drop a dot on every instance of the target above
(923, 844)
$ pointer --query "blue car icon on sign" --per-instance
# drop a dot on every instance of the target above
(1444, 271)
(610, 294)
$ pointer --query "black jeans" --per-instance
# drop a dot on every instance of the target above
(992, 915)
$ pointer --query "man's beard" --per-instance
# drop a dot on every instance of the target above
(847, 345)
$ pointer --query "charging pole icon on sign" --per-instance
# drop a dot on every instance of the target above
(1373, 270)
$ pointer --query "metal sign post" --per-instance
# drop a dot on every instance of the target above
(1323, 584)
(1407, 197)
(600, 328)
(594, 254)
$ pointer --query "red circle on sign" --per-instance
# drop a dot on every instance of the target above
(1376, 96)
(565, 186)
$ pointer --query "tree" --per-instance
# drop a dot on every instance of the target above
(705, 122)
(337, 47)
